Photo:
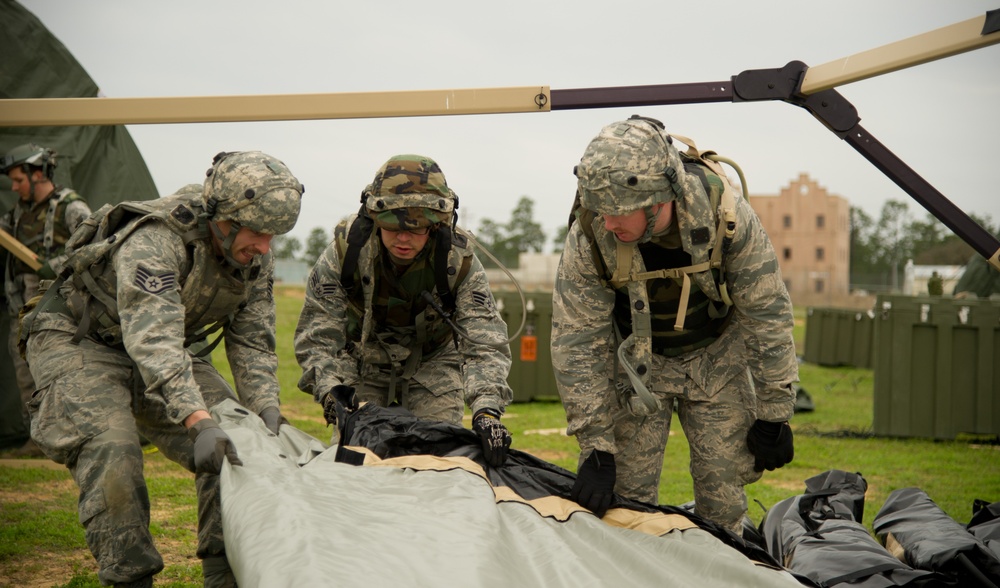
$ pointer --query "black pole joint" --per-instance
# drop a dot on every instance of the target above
(828, 106)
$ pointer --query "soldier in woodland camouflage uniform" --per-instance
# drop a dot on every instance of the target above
(109, 349)
(979, 280)
(620, 360)
(43, 218)
(371, 335)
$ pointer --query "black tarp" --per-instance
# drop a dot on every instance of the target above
(102, 163)
(928, 539)
(819, 535)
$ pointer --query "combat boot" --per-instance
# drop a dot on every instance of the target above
(217, 572)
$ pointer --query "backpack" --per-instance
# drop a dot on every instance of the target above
(96, 239)
(705, 165)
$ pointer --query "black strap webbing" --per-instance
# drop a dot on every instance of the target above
(441, 249)
(357, 236)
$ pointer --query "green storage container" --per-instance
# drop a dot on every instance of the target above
(839, 336)
(937, 367)
(530, 379)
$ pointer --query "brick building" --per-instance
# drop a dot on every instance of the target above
(810, 231)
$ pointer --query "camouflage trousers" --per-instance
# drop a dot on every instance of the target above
(434, 393)
(25, 383)
(87, 414)
(716, 406)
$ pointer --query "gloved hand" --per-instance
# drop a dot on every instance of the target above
(211, 446)
(344, 395)
(46, 272)
(494, 436)
(272, 419)
(771, 445)
(595, 482)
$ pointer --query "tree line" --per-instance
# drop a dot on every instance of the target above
(879, 247)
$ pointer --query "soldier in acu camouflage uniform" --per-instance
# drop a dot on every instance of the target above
(620, 360)
(110, 350)
(370, 334)
(43, 218)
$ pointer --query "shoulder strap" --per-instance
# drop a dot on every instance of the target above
(442, 247)
(357, 235)
(586, 219)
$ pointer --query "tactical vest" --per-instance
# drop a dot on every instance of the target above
(649, 297)
(211, 292)
(389, 320)
(45, 234)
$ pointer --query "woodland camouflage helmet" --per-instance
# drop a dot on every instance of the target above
(253, 190)
(32, 155)
(409, 192)
(630, 165)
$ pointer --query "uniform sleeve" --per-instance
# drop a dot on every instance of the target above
(76, 212)
(485, 368)
(149, 265)
(250, 344)
(321, 334)
(581, 338)
(760, 296)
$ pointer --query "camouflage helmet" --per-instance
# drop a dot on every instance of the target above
(409, 192)
(630, 165)
(30, 154)
(253, 190)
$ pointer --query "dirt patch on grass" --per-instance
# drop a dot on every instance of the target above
(31, 463)
(45, 569)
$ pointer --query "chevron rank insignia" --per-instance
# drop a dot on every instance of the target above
(482, 299)
(154, 283)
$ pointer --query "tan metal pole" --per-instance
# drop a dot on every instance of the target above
(116, 111)
(937, 44)
(8, 242)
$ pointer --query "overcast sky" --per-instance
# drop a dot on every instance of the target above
(941, 118)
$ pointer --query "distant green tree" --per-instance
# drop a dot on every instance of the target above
(559, 241)
(285, 247)
(316, 243)
(864, 263)
(894, 242)
(519, 235)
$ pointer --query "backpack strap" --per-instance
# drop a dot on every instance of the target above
(357, 235)
(442, 247)
(60, 196)
(586, 219)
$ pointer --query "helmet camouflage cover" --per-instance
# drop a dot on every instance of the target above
(254, 190)
(630, 165)
(29, 154)
(409, 192)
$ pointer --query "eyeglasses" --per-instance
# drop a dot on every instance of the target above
(419, 231)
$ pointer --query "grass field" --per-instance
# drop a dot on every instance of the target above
(42, 544)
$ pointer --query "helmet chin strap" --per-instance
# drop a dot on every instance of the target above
(650, 224)
(227, 241)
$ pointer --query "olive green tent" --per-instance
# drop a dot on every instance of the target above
(102, 163)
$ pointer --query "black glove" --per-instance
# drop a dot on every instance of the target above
(595, 482)
(46, 272)
(494, 436)
(771, 445)
(211, 446)
(272, 419)
(345, 396)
